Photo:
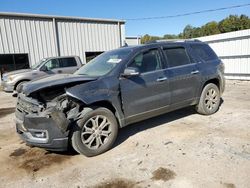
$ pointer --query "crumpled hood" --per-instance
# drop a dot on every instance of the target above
(17, 72)
(55, 80)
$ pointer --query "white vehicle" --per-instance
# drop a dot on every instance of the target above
(13, 80)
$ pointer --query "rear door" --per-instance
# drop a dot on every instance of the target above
(150, 90)
(184, 76)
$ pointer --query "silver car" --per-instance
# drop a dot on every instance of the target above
(53, 65)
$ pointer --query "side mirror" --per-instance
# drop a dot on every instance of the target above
(131, 71)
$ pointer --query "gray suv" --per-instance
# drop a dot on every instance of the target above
(120, 87)
(53, 65)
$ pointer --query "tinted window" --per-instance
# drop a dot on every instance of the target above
(204, 52)
(147, 61)
(67, 62)
(176, 56)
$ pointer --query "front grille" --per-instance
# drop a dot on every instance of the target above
(27, 105)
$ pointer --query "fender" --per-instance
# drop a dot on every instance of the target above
(103, 89)
(210, 73)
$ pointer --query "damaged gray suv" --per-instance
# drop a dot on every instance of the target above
(120, 87)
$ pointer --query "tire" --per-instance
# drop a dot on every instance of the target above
(95, 132)
(19, 85)
(209, 101)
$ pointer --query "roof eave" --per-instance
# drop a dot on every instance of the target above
(14, 14)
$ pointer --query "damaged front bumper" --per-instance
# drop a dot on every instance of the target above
(38, 129)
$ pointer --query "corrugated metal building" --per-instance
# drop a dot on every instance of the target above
(234, 49)
(133, 40)
(33, 37)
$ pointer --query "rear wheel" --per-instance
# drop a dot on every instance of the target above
(209, 100)
(95, 132)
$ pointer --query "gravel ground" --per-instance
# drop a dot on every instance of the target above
(179, 149)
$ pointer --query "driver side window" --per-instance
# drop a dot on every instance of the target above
(147, 61)
(51, 64)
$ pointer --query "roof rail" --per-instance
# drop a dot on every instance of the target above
(173, 40)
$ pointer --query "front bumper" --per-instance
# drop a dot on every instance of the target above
(7, 86)
(41, 132)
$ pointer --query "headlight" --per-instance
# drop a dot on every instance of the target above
(9, 78)
(4, 78)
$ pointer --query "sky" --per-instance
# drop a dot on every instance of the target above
(127, 9)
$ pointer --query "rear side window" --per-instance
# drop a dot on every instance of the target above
(204, 52)
(67, 62)
(176, 56)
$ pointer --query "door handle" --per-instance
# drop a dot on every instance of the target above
(195, 72)
(161, 79)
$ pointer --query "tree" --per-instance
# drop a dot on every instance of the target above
(234, 23)
(147, 38)
(211, 28)
(188, 32)
(231, 23)
(169, 36)
(244, 21)
(197, 32)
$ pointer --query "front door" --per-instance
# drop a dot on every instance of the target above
(147, 92)
(52, 66)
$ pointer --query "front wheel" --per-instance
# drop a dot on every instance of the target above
(209, 100)
(95, 132)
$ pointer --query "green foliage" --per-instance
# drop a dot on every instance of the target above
(168, 36)
(234, 23)
(147, 38)
(231, 23)
(211, 28)
(188, 31)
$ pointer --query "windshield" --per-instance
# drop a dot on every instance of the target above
(104, 63)
(36, 66)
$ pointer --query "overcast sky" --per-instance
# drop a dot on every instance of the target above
(132, 9)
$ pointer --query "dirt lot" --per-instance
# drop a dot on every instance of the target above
(179, 149)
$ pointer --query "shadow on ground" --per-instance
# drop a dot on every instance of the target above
(6, 111)
(133, 129)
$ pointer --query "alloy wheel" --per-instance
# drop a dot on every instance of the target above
(211, 99)
(96, 132)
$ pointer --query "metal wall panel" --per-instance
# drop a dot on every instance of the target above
(26, 35)
(234, 50)
(78, 37)
(133, 40)
(45, 36)
(123, 34)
